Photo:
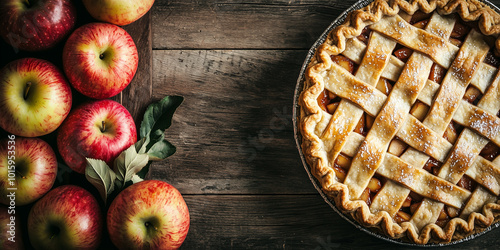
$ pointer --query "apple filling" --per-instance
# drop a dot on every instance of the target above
(329, 102)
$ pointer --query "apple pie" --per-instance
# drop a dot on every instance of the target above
(400, 118)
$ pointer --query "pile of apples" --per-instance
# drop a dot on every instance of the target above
(36, 99)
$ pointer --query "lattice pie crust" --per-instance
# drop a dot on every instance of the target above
(415, 186)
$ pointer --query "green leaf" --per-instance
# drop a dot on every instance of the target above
(161, 150)
(129, 163)
(144, 172)
(140, 145)
(158, 116)
(99, 174)
(136, 178)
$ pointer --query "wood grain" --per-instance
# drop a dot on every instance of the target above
(236, 63)
(283, 222)
(263, 222)
(229, 24)
(234, 130)
(137, 96)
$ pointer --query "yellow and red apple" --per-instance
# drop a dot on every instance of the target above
(68, 217)
(119, 12)
(34, 25)
(11, 237)
(150, 214)
(28, 169)
(99, 129)
(35, 97)
(100, 60)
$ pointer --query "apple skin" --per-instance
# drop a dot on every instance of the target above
(81, 134)
(119, 12)
(68, 217)
(148, 214)
(6, 226)
(100, 60)
(47, 103)
(36, 25)
(35, 166)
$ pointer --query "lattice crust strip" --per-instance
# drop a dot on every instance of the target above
(347, 116)
(471, 54)
(469, 144)
(333, 134)
(387, 171)
(412, 80)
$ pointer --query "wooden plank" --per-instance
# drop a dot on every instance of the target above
(137, 96)
(282, 222)
(234, 131)
(227, 24)
(256, 222)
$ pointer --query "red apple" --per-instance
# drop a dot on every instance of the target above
(98, 129)
(68, 217)
(34, 97)
(34, 25)
(11, 237)
(100, 60)
(119, 12)
(28, 169)
(149, 214)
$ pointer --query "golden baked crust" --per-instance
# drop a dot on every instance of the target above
(325, 135)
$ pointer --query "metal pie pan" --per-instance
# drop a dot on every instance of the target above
(298, 139)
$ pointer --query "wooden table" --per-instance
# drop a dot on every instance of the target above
(237, 166)
(237, 64)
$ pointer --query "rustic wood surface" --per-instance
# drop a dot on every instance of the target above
(236, 63)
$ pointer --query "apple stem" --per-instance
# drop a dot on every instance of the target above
(101, 56)
(19, 173)
(54, 231)
(27, 90)
(27, 2)
(53, 235)
(103, 127)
